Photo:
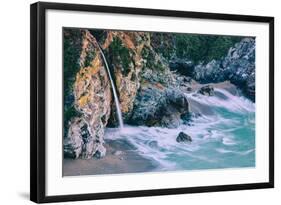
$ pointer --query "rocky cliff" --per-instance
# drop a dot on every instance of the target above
(238, 67)
(147, 89)
(150, 86)
(92, 102)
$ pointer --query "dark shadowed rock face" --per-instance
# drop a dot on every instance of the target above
(182, 66)
(238, 67)
(159, 101)
(83, 140)
(156, 107)
(183, 138)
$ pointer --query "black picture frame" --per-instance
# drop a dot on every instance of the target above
(38, 101)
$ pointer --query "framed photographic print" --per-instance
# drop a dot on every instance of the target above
(129, 102)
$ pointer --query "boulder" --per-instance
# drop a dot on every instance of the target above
(83, 141)
(206, 90)
(183, 138)
(157, 107)
(159, 100)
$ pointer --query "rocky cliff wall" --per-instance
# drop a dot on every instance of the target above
(151, 88)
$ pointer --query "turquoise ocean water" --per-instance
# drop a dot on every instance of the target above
(223, 139)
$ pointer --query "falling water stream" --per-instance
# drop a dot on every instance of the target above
(118, 110)
(224, 139)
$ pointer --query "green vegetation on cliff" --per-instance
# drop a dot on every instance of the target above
(195, 47)
(120, 54)
(203, 48)
(72, 44)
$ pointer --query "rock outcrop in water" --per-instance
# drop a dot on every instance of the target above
(159, 101)
(207, 90)
(159, 107)
(238, 67)
(183, 138)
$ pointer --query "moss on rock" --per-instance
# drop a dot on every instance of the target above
(120, 54)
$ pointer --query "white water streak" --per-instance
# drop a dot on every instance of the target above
(118, 110)
(212, 136)
(232, 102)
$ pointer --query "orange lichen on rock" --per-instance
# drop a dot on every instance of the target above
(83, 78)
(108, 40)
(126, 39)
(83, 100)
(128, 83)
(95, 65)
(92, 100)
(83, 54)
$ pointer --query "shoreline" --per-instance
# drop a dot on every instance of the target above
(120, 158)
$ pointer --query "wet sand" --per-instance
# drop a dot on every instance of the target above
(121, 157)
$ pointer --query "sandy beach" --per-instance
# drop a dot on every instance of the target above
(121, 157)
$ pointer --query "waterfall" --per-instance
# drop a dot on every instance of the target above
(119, 114)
